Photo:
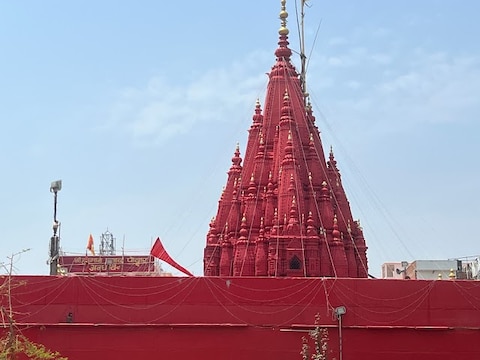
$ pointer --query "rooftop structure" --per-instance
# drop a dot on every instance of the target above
(462, 269)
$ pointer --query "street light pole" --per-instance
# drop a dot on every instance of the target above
(55, 187)
(339, 312)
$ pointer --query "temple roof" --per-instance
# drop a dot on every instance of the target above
(284, 212)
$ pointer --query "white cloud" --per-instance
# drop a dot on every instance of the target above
(397, 94)
(440, 89)
(162, 109)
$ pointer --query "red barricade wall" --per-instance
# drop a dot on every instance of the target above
(245, 318)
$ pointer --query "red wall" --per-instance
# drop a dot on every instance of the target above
(245, 318)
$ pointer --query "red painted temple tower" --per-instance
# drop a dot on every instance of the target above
(284, 212)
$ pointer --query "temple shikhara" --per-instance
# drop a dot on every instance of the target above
(284, 211)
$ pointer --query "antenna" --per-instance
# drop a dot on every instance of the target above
(303, 57)
(107, 243)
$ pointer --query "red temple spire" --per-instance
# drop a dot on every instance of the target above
(284, 212)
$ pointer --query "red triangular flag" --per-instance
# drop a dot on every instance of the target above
(90, 245)
(160, 253)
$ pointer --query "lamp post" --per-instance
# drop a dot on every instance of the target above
(339, 312)
(55, 187)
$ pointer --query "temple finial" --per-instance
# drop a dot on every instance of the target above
(283, 52)
(283, 17)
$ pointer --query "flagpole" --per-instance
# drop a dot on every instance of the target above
(123, 252)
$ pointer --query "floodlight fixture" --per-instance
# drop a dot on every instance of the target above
(404, 264)
(340, 310)
(56, 186)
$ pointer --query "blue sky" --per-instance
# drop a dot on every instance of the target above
(137, 107)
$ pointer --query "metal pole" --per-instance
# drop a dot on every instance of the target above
(54, 240)
(339, 312)
(54, 212)
(340, 345)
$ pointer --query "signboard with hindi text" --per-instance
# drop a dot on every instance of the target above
(108, 264)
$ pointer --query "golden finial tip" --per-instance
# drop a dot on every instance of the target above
(283, 17)
(283, 31)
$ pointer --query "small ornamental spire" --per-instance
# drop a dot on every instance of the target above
(291, 186)
(452, 275)
(236, 159)
(252, 187)
(310, 224)
(293, 220)
(261, 147)
(275, 222)
(335, 232)
(257, 117)
(324, 193)
(212, 233)
(289, 156)
(243, 229)
(262, 230)
(286, 111)
(270, 186)
(332, 163)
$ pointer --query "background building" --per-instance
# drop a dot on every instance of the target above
(465, 268)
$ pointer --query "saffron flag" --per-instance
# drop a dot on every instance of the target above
(160, 253)
(90, 246)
